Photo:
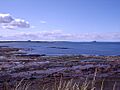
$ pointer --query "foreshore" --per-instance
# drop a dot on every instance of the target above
(16, 65)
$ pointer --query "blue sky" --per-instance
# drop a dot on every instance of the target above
(70, 20)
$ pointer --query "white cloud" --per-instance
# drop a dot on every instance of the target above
(20, 23)
(33, 26)
(7, 27)
(8, 22)
(43, 22)
(5, 18)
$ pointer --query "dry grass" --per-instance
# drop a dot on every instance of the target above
(62, 85)
(65, 85)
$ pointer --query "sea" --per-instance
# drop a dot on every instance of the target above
(67, 48)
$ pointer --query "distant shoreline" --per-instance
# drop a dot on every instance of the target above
(63, 41)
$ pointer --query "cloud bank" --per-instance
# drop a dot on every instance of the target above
(9, 22)
(61, 36)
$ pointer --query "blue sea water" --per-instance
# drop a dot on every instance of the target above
(68, 48)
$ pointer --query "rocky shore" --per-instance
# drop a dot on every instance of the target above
(15, 65)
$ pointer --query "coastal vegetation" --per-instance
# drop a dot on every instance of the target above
(21, 71)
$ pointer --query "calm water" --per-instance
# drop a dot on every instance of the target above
(69, 48)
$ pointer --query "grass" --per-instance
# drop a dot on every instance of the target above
(62, 85)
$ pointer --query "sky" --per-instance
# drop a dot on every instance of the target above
(60, 20)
